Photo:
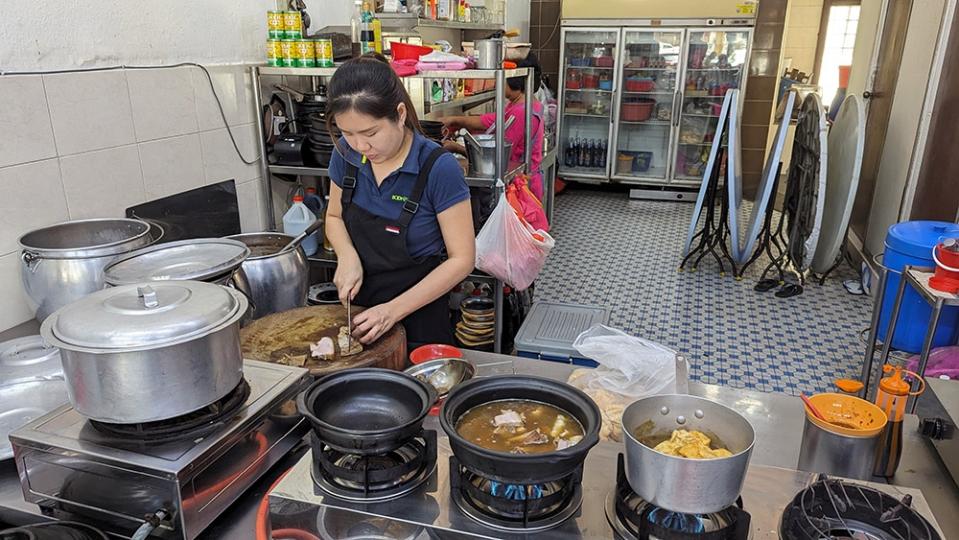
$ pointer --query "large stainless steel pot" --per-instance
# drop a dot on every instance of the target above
(690, 486)
(213, 260)
(140, 353)
(274, 281)
(64, 262)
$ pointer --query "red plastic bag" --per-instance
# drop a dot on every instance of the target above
(524, 201)
(509, 249)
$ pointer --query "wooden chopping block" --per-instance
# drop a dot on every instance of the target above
(290, 333)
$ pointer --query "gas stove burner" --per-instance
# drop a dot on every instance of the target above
(382, 477)
(195, 425)
(832, 508)
(634, 518)
(515, 507)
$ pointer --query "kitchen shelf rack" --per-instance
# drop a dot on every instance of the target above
(503, 176)
(406, 20)
(463, 102)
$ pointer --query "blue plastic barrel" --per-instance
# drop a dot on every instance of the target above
(911, 243)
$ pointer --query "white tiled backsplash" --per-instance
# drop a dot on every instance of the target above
(87, 145)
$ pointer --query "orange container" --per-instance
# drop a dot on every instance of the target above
(847, 415)
(844, 76)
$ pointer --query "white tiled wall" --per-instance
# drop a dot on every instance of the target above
(87, 145)
(802, 34)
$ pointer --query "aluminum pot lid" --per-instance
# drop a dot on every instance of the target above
(144, 316)
(200, 259)
(28, 358)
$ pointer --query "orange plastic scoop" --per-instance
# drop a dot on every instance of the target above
(850, 386)
(847, 415)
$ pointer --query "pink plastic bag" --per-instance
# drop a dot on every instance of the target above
(509, 249)
(942, 361)
(526, 204)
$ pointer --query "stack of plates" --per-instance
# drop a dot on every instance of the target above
(477, 325)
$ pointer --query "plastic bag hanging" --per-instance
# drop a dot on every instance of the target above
(509, 249)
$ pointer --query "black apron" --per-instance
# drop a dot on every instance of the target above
(388, 268)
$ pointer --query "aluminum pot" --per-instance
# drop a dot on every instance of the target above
(141, 353)
(690, 486)
(274, 281)
(482, 156)
(64, 262)
(489, 53)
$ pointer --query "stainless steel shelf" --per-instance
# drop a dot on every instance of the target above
(714, 69)
(303, 171)
(586, 115)
(475, 181)
(588, 67)
(647, 69)
(597, 90)
(647, 123)
(406, 20)
(693, 115)
(461, 74)
(467, 101)
(647, 93)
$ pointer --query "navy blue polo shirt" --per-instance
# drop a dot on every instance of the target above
(445, 188)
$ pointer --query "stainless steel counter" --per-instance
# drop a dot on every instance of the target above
(777, 419)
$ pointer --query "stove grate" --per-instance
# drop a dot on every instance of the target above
(191, 426)
(832, 508)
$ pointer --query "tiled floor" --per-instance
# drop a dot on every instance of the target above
(624, 254)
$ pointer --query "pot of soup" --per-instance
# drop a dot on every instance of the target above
(520, 429)
(685, 453)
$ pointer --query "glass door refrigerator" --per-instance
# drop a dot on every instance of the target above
(648, 99)
(589, 59)
(715, 61)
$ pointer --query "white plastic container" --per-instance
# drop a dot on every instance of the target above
(296, 220)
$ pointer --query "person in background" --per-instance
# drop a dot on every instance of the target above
(516, 107)
(399, 215)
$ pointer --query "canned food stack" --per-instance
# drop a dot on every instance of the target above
(286, 45)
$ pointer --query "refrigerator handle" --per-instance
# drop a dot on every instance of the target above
(677, 104)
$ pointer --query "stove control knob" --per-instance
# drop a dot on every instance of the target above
(937, 429)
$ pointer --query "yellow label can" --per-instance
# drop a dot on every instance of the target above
(275, 26)
(305, 53)
(324, 52)
(274, 53)
(288, 52)
(292, 25)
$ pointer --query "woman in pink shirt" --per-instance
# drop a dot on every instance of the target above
(515, 107)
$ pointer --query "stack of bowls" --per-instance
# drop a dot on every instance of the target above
(320, 140)
(432, 129)
(476, 328)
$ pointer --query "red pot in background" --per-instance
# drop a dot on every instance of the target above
(590, 80)
(603, 61)
(638, 111)
(639, 85)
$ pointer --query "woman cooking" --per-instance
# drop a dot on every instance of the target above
(516, 134)
(399, 216)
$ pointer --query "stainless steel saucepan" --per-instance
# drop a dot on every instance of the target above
(690, 486)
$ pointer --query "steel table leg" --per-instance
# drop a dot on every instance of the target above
(926, 346)
(498, 317)
(893, 319)
(867, 364)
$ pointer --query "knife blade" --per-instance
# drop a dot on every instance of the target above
(349, 325)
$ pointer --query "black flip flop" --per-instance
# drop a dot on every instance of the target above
(766, 285)
(789, 290)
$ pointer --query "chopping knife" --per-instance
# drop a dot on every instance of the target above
(349, 325)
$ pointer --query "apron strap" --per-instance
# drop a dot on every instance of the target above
(412, 203)
(349, 185)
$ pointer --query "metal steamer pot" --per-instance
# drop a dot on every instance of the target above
(64, 262)
(520, 468)
(275, 281)
(690, 486)
(148, 352)
(366, 411)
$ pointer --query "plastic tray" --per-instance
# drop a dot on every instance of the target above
(551, 327)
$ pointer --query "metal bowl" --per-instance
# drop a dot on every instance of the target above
(457, 370)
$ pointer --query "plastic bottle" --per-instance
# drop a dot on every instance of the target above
(314, 202)
(296, 220)
(377, 32)
(356, 21)
(367, 35)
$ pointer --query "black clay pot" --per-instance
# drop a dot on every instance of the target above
(520, 468)
(366, 411)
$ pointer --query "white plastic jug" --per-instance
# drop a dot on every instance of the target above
(296, 220)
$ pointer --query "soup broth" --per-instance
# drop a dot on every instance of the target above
(520, 427)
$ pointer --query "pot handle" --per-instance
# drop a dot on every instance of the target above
(232, 284)
(148, 296)
(31, 260)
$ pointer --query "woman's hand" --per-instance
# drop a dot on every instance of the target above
(372, 323)
(451, 123)
(348, 278)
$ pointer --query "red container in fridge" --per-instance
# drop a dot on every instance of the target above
(638, 111)
(639, 85)
(590, 80)
(603, 61)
